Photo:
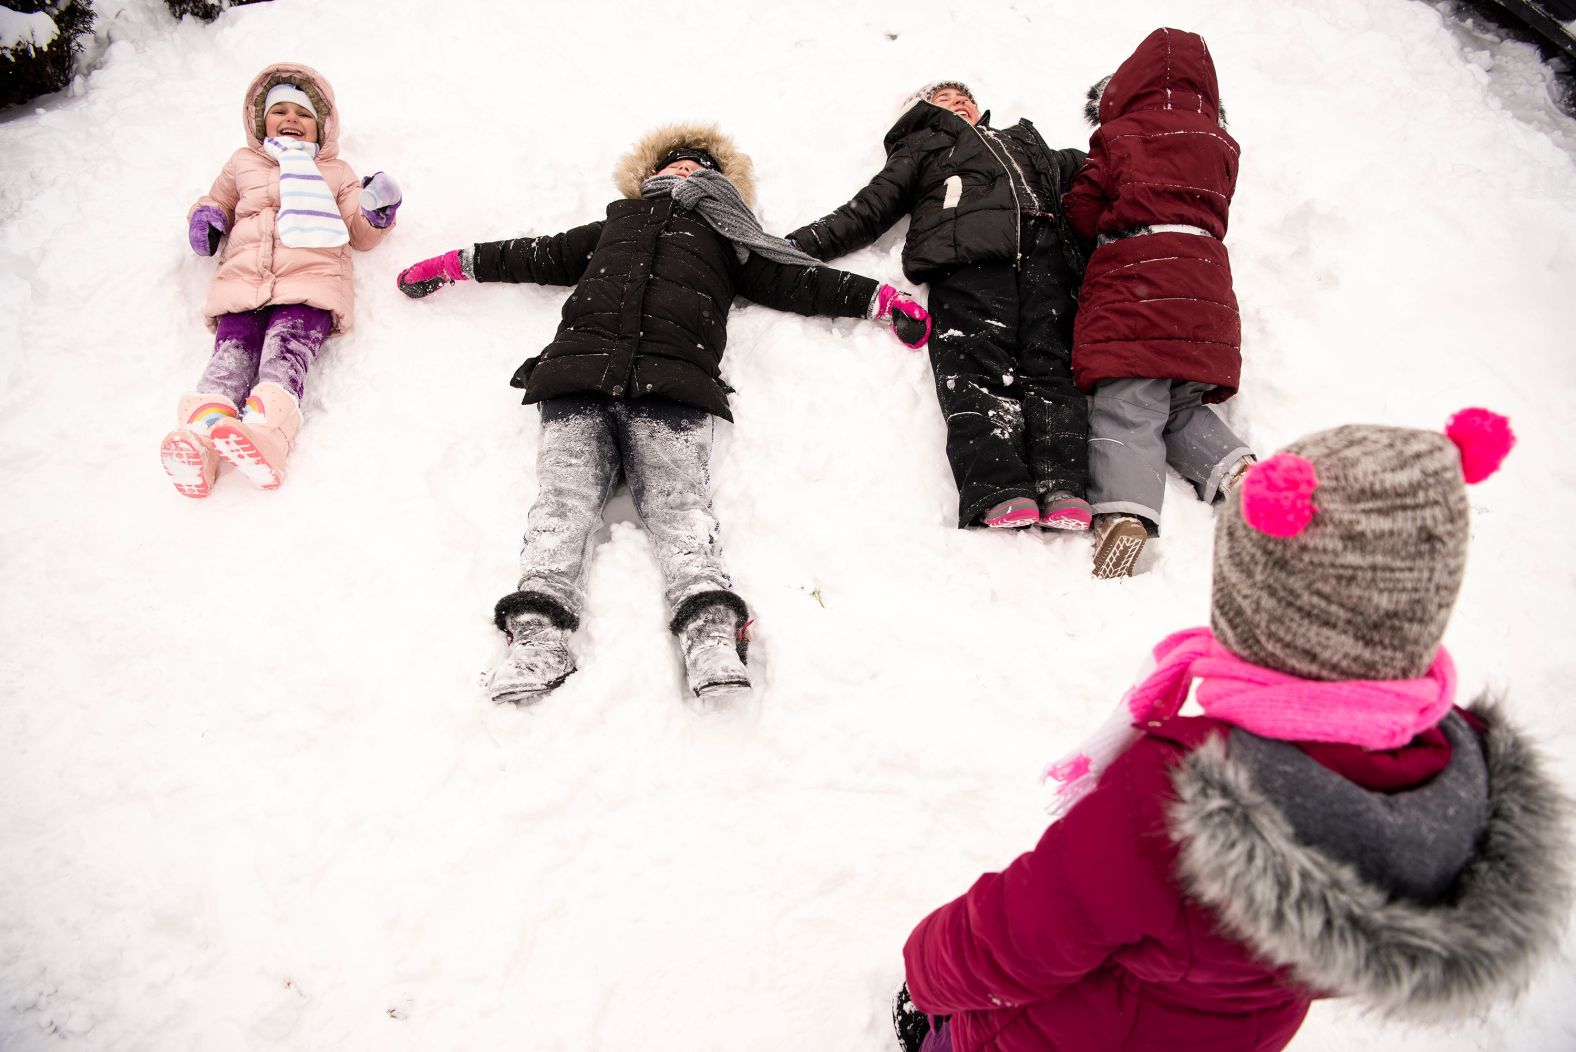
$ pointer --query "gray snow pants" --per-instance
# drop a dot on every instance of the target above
(1137, 427)
(663, 449)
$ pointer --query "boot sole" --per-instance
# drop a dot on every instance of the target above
(723, 693)
(1118, 553)
(183, 463)
(529, 697)
(237, 448)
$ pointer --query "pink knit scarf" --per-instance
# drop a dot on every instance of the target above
(1372, 713)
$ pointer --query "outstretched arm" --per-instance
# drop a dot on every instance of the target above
(553, 259)
(871, 213)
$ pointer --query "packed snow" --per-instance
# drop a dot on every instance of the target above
(254, 795)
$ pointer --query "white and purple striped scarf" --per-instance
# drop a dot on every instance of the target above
(308, 213)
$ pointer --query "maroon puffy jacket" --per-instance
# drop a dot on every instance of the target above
(1191, 904)
(1158, 306)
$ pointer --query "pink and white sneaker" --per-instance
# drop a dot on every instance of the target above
(1012, 514)
(258, 443)
(1063, 511)
(187, 453)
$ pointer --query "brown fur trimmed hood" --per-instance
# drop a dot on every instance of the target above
(317, 89)
(1339, 934)
(635, 167)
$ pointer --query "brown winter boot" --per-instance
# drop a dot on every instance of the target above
(187, 453)
(258, 443)
(1118, 539)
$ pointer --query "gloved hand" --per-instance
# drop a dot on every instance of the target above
(380, 199)
(909, 321)
(430, 275)
(204, 229)
(912, 1025)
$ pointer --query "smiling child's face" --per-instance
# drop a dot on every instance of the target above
(290, 120)
(958, 102)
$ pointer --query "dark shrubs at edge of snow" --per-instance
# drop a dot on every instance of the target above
(26, 71)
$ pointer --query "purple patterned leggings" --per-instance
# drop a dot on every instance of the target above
(274, 343)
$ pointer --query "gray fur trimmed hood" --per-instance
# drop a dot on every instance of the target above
(636, 166)
(1341, 935)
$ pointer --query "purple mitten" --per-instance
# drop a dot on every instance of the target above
(204, 229)
(380, 199)
(910, 322)
(430, 275)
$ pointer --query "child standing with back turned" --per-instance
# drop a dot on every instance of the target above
(1332, 825)
(291, 211)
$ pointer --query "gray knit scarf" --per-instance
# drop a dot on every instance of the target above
(719, 204)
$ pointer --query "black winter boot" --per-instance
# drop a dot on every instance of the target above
(709, 633)
(538, 658)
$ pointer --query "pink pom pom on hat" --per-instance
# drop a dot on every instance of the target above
(1484, 438)
(1277, 495)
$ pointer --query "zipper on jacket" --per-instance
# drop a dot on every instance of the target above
(1017, 206)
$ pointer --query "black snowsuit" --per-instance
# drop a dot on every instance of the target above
(648, 316)
(986, 233)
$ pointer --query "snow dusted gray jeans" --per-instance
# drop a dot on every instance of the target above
(1137, 427)
(663, 449)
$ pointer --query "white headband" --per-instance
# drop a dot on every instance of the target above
(289, 93)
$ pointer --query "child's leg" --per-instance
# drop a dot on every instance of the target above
(576, 469)
(973, 350)
(291, 341)
(666, 450)
(1055, 414)
(237, 350)
(1198, 443)
(1127, 454)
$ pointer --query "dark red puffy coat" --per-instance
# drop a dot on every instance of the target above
(1158, 306)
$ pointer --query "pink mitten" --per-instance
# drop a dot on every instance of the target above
(909, 321)
(430, 275)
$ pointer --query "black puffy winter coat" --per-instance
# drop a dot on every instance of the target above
(653, 287)
(956, 184)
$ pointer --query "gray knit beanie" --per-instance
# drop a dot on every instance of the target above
(1340, 558)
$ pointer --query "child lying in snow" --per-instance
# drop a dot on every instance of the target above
(630, 385)
(1157, 334)
(1002, 269)
(292, 211)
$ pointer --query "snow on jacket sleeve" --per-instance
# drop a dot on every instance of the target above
(223, 195)
(804, 289)
(1088, 196)
(553, 259)
(869, 214)
(1094, 884)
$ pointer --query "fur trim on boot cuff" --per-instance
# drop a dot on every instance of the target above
(636, 166)
(1341, 935)
(701, 600)
(534, 603)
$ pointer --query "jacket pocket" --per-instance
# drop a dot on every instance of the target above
(954, 192)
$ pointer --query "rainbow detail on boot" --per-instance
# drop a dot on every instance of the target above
(254, 408)
(205, 416)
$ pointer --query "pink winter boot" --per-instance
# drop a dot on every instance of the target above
(259, 442)
(188, 453)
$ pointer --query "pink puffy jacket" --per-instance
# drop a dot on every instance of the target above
(255, 268)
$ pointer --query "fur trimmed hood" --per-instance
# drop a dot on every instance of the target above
(636, 166)
(1340, 934)
(317, 89)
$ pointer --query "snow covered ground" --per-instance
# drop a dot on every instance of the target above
(253, 796)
